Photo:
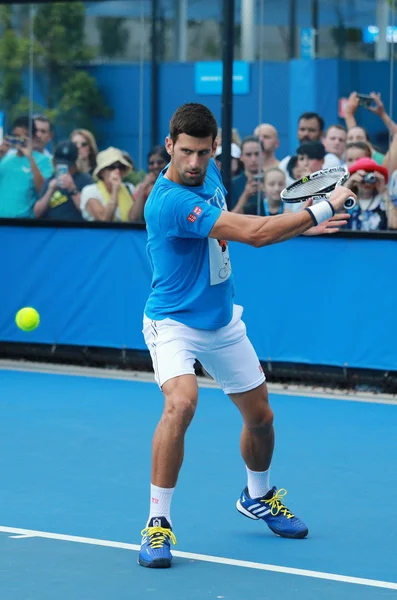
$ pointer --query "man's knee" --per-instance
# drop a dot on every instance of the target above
(261, 420)
(180, 403)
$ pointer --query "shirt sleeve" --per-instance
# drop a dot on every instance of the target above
(186, 215)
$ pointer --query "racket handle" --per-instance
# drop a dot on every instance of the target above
(350, 203)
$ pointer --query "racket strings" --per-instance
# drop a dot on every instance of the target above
(320, 185)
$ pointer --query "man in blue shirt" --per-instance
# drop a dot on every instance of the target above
(22, 171)
(190, 315)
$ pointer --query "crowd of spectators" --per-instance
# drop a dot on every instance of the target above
(78, 183)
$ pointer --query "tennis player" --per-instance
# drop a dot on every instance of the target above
(190, 314)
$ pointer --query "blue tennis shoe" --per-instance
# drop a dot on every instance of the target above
(156, 542)
(271, 509)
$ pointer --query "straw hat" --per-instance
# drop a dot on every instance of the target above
(109, 157)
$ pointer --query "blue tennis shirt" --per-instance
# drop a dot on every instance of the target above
(192, 277)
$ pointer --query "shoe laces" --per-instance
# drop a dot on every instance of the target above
(158, 535)
(276, 505)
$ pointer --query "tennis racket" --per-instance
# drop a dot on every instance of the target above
(318, 186)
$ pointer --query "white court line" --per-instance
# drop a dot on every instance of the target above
(24, 533)
(147, 377)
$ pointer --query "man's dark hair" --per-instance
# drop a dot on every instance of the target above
(361, 146)
(313, 115)
(195, 120)
(44, 119)
(26, 124)
(313, 150)
(251, 138)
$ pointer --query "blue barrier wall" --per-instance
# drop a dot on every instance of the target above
(320, 301)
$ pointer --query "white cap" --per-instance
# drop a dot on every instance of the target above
(235, 151)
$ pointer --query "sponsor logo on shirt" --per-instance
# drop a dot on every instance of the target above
(197, 210)
(192, 218)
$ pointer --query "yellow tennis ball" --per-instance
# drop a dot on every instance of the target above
(27, 319)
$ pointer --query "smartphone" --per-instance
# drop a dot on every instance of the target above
(365, 100)
(15, 141)
(60, 170)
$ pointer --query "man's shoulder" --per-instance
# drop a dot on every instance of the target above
(83, 179)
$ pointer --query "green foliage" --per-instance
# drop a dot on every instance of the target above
(72, 95)
(113, 35)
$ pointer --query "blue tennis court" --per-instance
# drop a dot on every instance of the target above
(75, 467)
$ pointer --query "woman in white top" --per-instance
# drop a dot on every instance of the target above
(110, 199)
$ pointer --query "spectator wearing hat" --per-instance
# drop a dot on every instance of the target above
(235, 152)
(109, 198)
(60, 196)
(374, 210)
(310, 157)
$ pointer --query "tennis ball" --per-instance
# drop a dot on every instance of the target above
(27, 318)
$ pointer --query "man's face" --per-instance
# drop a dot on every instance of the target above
(268, 136)
(43, 133)
(309, 129)
(250, 156)
(21, 132)
(190, 157)
(335, 141)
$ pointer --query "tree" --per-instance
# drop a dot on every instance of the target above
(70, 91)
(71, 94)
(114, 36)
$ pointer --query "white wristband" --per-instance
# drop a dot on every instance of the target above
(321, 212)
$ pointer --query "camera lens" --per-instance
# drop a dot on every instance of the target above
(369, 178)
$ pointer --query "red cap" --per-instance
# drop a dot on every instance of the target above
(368, 164)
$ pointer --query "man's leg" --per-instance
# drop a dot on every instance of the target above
(181, 395)
(257, 437)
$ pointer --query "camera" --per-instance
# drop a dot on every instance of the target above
(369, 178)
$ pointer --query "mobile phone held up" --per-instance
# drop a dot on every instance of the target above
(60, 171)
(15, 141)
(365, 100)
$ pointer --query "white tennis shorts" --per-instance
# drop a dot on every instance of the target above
(226, 353)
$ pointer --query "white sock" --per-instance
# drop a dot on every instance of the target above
(258, 483)
(160, 502)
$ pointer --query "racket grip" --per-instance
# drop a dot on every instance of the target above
(350, 203)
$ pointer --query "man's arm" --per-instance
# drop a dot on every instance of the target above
(42, 205)
(263, 231)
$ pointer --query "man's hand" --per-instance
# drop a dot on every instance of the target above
(339, 197)
(352, 104)
(26, 149)
(53, 184)
(66, 182)
(252, 187)
(378, 107)
(331, 226)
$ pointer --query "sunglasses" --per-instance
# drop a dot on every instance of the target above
(116, 166)
(156, 162)
(82, 144)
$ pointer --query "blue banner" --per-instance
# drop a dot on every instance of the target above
(328, 301)
(208, 77)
